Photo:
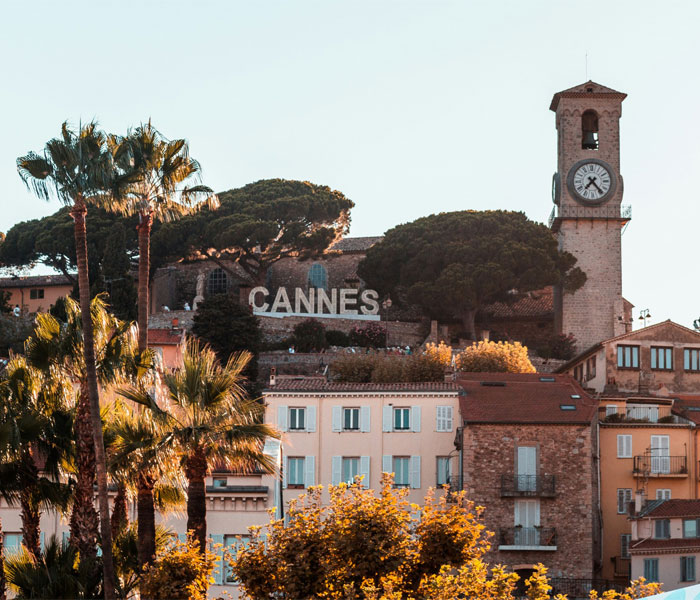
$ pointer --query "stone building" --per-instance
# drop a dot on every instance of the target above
(528, 456)
(588, 216)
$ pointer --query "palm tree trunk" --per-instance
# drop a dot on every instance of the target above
(146, 520)
(144, 229)
(195, 471)
(3, 581)
(120, 515)
(78, 213)
(29, 507)
(83, 519)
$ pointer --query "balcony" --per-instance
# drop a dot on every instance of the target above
(528, 538)
(622, 566)
(575, 589)
(638, 414)
(538, 486)
(660, 466)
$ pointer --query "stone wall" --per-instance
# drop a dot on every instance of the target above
(565, 451)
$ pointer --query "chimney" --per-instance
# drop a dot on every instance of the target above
(273, 376)
(638, 501)
(485, 335)
(175, 323)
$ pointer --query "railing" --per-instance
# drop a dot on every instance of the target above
(528, 536)
(647, 465)
(576, 589)
(528, 485)
(637, 414)
(622, 566)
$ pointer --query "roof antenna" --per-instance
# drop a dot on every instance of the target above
(586, 65)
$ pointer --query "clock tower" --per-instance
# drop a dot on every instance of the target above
(588, 216)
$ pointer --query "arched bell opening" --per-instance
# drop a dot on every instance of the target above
(589, 130)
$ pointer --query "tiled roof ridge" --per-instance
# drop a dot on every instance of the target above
(313, 384)
(28, 280)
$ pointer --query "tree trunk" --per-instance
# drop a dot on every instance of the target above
(468, 317)
(120, 515)
(3, 581)
(30, 515)
(144, 229)
(146, 520)
(83, 519)
(78, 213)
(195, 471)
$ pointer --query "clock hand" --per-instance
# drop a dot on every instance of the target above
(591, 181)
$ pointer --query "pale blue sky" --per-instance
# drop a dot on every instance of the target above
(409, 108)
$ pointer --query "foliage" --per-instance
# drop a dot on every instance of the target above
(55, 574)
(309, 336)
(452, 264)
(380, 368)
(557, 345)
(5, 300)
(335, 337)
(180, 573)
(441, 352)
(115, 275)
(494, 357)
(228, 327)
(13, 332)
(260, 223)
(372, 335)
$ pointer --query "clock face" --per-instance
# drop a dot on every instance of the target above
(591, 181)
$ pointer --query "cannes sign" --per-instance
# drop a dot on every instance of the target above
(346, 303)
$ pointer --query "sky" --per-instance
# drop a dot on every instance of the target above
(407, 107)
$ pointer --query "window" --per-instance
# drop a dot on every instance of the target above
(402, 419)
(351, 419)
(662, 529)
(628, 357)
(318, 277)
(589, 130)
(36, 294)
(661, 358)
(610, 409)
(625, 540)
(651, 569)
(690, 528)
(401, 471)
(234, 543)
(443, 418)
(690, 359)
(624, 497)
(297, 418)
(687, 568)
(12, 542)
(220, 482)
(624, 446)
(590, 368)
(663, 494)
(295, 473)
(578, 372)
(351, 469)
(217, 282)
(443, 470)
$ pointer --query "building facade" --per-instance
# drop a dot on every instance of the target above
(35, 293)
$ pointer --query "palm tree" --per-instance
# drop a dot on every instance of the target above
(210, 421)
(35, 434)
(77, 169)
(151, 181)
(57, 346)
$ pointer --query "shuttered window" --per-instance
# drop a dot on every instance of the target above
(625, 540)
(624, 497)
(443, 418)
(651, 569)
(662, 529)
(443, 470)
(401, 471)
(351, 419)
(624, 446)
(687, 568)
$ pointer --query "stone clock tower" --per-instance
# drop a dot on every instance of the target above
(588, 216)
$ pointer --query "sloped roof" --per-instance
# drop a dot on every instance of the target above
(314, 384)
(538, 303)
(674, 509)
(665, 545)
(581, 90)
(356, 244)
(533, 398)
(688, 406)
(164, 337)
(35, 281)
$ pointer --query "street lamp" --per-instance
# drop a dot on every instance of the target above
(644, 315)
(386, 305)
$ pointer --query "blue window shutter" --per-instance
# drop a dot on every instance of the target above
(415, 472)
(282, 417)
(336, 469)
(365, 416)
(415, 418)
(285, 471)
(387, 466)
(386, 420)
(337, 418)
(311, 418)
(364, 470)
(310, 471)
(218, 573)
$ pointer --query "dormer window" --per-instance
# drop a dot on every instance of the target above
(589, 130)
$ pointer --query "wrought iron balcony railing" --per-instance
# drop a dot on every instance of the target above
(660, 466)
(622, 566)
(575, 589)
(529, 537)
(528, 485)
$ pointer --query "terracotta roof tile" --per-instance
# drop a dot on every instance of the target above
(164, 337)
(538, 303)
(356, 244)
(34, 280)
(688, 406)
(524, 398)
(668, 545)
(675, 509)
(313, 384)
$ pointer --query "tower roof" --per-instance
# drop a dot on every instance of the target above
(585, 89)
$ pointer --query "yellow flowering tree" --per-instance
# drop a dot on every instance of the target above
(441, 352)
(495, 357)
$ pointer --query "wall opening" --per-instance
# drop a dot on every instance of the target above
(589, 127)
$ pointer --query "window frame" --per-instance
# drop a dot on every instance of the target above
(634, 353)
(216, 482)
(626, 436)
(297, 411)
(685, 561)
(665, 526)
(406, 410)
(651, 570)
(654, 358)
(688, 354)
(626, 499)
(625, 542)
(36, 294)
(443, 460)
(695, 528)
(356, 413)
(240, 540)
(346, 460)
(217, 282)
(407, 461)
(662, 495)
(298, 460)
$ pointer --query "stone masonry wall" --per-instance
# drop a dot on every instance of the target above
(565, 451)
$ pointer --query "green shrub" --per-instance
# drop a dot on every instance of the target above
(337, 338)
(353, 368)
(309, 336)
(372, 335)
(380, 368)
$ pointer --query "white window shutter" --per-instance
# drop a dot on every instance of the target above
(387, 467)
(415, 418)
(337, 418)
(628, 446)
(620, 446)
(438, 418)
(282, 412)
(364, 419)
(386, 420)
(310, 471)
(311, 418)
(218, 573)
(364, 470)
(415, 472)
(448, 418)
(336, 469)
(285, 470)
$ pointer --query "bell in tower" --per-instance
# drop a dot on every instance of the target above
(589, 125)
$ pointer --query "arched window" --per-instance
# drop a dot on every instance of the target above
(318, 278)
(589, 130)
(217, 283)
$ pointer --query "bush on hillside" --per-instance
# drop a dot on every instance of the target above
(380, 368)
(372, 335)
(494, 357)
(309, 336)
(334, 337)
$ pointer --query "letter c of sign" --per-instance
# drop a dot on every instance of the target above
(251, 298)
